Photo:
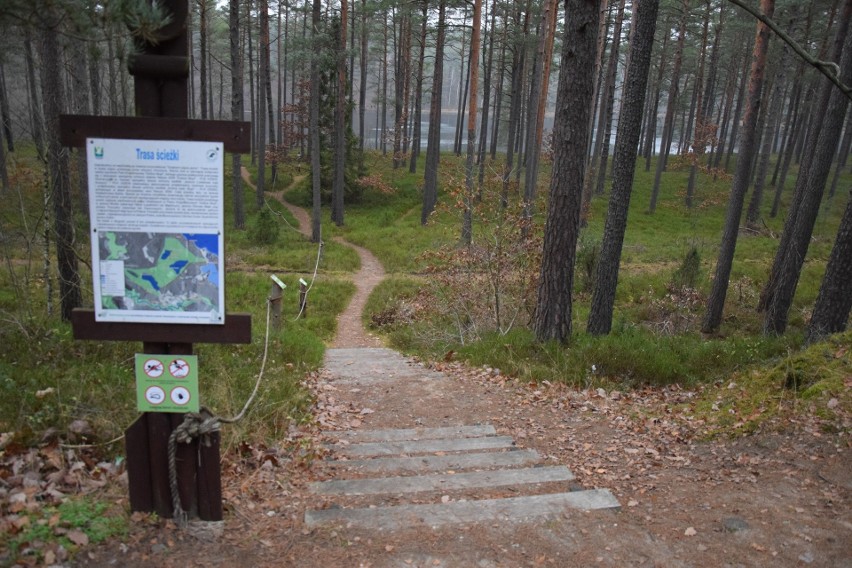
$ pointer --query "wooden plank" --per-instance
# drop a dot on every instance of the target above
(210, 481)
(236, 329)
(138, 472)
(159, 428)
(74, 129)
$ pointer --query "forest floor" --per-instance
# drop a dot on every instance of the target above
(780, 497)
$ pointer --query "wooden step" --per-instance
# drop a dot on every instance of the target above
(513, 509)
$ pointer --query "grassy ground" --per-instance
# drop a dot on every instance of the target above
(436, 301)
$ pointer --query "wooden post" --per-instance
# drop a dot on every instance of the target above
(275, 302)
(303, 298)
(160, 71)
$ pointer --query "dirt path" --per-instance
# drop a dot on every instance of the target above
(350, 331)
(766, 500)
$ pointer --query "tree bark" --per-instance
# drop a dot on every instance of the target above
(338, 183)
(651, 133)
(236, 109)
(5, 115)
(833, 303)
(362, 92)
(699, 141)
(538, 94)
(800, 197)
(600, 162)
(781, 298)
(433, 144)
(574, 99)
(467, 218)
(842, 156)
(57, 161)
(418, 90)
(624, 168)
(202, 58)
(262, 70)
(35, 106)
(316, 173)
(716, 301)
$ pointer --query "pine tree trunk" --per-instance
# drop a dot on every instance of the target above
(418, 91)
(37, 125)
(457, 141)
(236, 110)
(473, 66)
(716, 301)
(651, 133)
(202, 57)
(514, 111)
(488, 62)
(263, 44)
(624, 168)
(81, 106)
(810, 137)
(252, 99)
(574, 98)
(781, 297)
(700, 140)
(5, 116)
(316, 174)
(668, 123)
(57, 164)
(338, 183)
(433, 144)
(538, 92)
(786, 153)
(833, 303)
(498, 99)
(362, 93)
(600, 163)
(732, 141)
(842, 156)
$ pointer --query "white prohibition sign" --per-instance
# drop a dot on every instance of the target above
(155, 395)
(179, 368)
(153, 368)
(180, 396)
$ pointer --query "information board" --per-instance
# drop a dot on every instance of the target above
(157, 216)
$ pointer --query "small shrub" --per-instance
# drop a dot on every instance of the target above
(588, 256)
(686, 276)
(264, 229)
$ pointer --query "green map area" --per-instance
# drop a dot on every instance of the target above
(172, 272)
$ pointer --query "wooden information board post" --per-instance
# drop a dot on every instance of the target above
(160, 73)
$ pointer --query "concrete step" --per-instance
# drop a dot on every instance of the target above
(397, 435)
(514, 509)
(418, 464)
(376, 449)
(443, 481)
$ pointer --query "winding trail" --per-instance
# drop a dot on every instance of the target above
(350, 330)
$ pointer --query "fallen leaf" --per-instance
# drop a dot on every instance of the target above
(78, 537)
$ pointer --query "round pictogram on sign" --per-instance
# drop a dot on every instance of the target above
(155, 395)
(179, 368)
(153, 368)
(180, 396)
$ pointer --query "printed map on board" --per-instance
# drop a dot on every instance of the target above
(160, 271)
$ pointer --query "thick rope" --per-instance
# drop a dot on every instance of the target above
(202, 425)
